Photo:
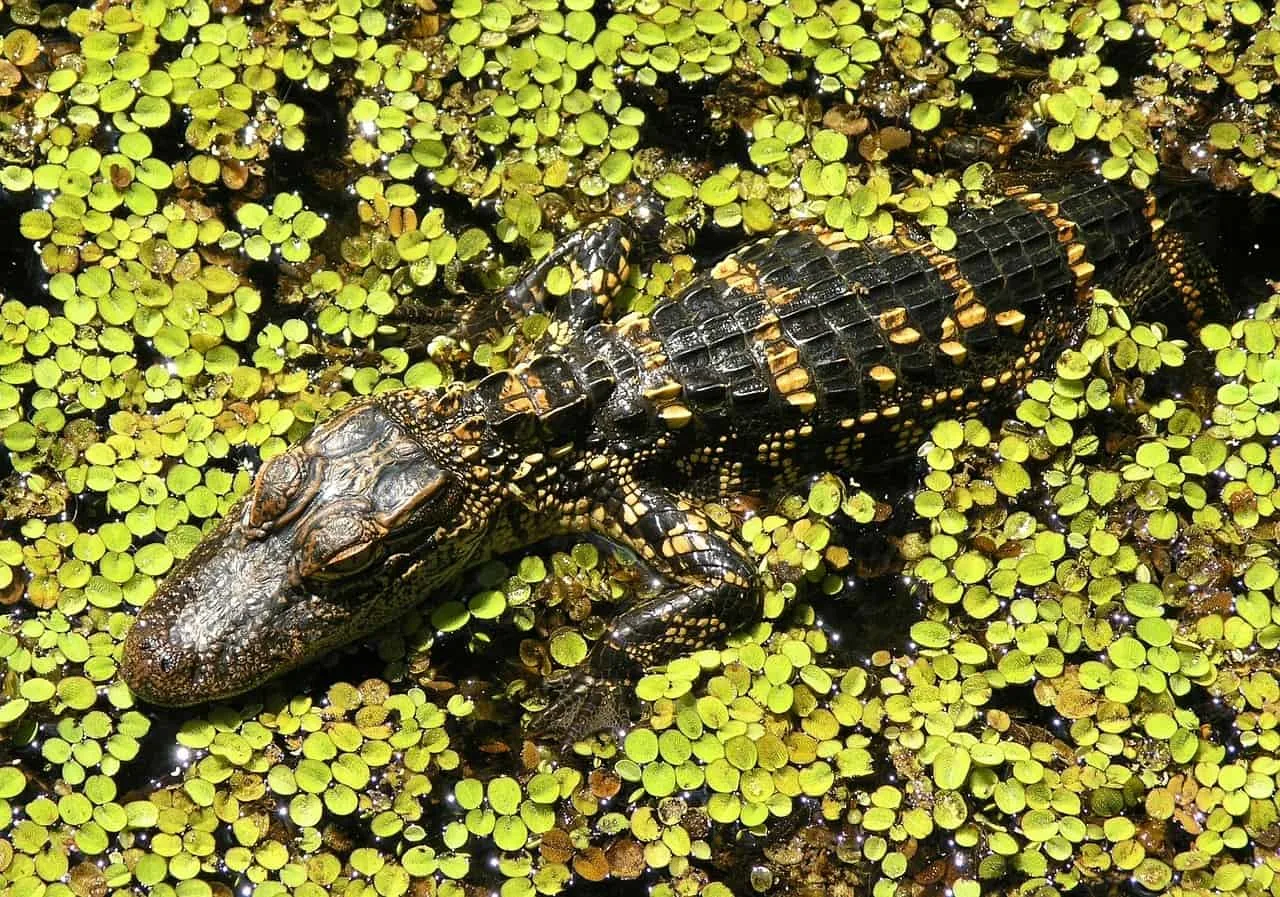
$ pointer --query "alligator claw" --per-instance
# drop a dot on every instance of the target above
(580, 707)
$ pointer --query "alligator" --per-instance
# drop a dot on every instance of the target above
(801, 352)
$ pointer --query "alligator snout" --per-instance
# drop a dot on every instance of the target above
(208, 632)
(160, 668)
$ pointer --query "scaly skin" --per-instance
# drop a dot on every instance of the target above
(798, 353)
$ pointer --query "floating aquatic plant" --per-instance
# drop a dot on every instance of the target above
(233, 208)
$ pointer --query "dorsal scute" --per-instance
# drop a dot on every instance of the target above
(540, 399)
(598, 380)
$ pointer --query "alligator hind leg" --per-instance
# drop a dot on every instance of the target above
(596, 257)
(711, 590)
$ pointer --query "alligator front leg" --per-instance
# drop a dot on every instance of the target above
(596, 257)
(710, 589)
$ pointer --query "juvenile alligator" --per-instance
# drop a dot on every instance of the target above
(800, 352)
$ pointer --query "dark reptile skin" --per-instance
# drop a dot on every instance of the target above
(708, 349)
(800, 352)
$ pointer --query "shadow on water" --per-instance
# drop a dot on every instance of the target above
(21, 274)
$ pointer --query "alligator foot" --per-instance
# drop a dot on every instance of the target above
(580, 706)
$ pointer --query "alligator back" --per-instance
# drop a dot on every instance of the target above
(807, 334)
(800, 352)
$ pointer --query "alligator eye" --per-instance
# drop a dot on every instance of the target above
(279, 482)
(350, 560)
(341, 541)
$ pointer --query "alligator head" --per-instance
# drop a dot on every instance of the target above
(339, 534)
